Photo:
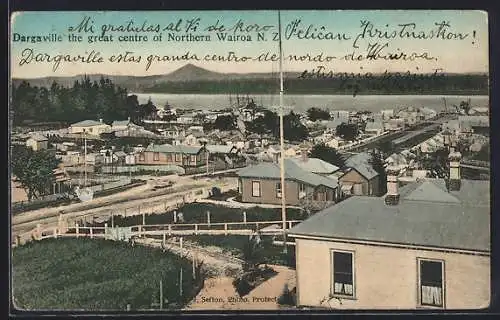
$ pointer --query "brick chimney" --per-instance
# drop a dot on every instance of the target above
(303, 154)
(454, 182)
(392, 196)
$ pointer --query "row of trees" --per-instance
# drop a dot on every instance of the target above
(293, 128)
(382, 84)
(86, 99)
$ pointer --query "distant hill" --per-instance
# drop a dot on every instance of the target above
(186, 73)
(193, 79)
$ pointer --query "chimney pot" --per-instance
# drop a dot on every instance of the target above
(392, 197)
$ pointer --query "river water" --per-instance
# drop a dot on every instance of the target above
(300, 103)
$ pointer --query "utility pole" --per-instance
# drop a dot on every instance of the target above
(282, 151)
(161, 294)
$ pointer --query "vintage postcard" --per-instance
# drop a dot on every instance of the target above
(249, 160)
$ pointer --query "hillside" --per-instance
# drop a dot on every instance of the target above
(193, 79)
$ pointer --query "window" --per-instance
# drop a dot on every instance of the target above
(343, 273)
(156, 156)
(431, 282)
(193, 158)
(255, 188)
(142, 157)
(278, 190)
(302, 187)
(169, 157)
(177, 157)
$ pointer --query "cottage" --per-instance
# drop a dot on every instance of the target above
(166, 154)
(425, 245)
(471, 124)
(37, 142)
(261, 184)
(395, 124)
(90, 127)
(359, 177)
(374, 127)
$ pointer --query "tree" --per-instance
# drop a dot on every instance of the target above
(377, 162)
(315, 114)
(33, 169)
(293, 129)
(465, 106)
(347, 131)
(328, 154)
(225, 122)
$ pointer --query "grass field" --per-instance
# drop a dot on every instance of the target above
(197, 213)
(88, 274)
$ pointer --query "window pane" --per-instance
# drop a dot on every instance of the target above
(431, 273)
(342, 262)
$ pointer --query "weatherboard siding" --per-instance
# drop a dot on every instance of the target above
(386, 277)
(170, 159)
(355, 177)
(268, 191)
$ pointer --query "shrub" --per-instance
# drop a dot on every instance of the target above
(287, 297)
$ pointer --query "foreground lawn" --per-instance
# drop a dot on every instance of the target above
(197, 213)
(89, 274)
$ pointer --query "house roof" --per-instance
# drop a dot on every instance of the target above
(120, 154)
(315, 165)
(375, 125)
(219, 148)
(426, 215)
(168, 148)
(361, 163)
(87, 123)
(120, 123)
(38, 137)
(271, 170)
(474, 121)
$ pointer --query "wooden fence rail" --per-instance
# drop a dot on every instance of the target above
(217, 228)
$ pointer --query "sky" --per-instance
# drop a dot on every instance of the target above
(469, 54)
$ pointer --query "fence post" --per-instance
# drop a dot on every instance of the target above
(91, 233)
(105, 231)
(164, 240)
(257, 225)
(175, 216)
(112, 219)
(169, 229)
(143, 217)
(196, 229)
(77, 230)
(225, 229)
(180, 243)
(55, 232)
(38, 231)
(208, 217)
(244, 217)
(289, 224)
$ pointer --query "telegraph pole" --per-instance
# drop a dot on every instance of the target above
(282, 151)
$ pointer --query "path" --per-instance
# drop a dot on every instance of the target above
(215, 293)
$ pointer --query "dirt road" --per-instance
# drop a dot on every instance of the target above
(149, 197)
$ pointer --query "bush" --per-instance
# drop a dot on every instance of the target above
(216, 192)
(287, 298)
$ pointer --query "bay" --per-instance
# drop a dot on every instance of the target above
(300, 103)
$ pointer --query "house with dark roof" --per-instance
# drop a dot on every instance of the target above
(423, 245)
(166, 154)
(359, 177)
(261, 183)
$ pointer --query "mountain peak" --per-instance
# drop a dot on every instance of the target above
(192, 72)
